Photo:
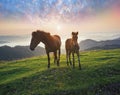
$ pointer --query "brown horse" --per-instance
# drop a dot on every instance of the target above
(52, 44)
(72, 46)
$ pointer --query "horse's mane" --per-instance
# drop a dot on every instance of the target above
(41, 31)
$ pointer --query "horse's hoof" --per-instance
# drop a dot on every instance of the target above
(48, 67)
(67, 64)
(80, 68)
(58, 64)
(71, 63)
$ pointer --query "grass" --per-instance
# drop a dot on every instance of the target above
(100, 75)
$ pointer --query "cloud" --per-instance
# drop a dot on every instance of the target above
(9, 38)
(32, 14)
(3, 42)
(44, 8)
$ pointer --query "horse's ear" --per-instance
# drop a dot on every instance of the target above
(48, 33)
(77, 32)
(38, 31)
(34, 33)
(73, 33)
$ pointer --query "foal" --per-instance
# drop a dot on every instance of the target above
(72, 46)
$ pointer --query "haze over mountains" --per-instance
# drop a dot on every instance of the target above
(19, 52)
(15, 40)
(3, 42)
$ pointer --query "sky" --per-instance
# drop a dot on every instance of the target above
(94, 19)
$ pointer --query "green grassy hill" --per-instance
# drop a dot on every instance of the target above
(100, 75)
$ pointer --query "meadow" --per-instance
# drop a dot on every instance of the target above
(100, 75)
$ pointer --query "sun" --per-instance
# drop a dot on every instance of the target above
(58, 27)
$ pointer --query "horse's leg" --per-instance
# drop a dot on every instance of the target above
(73, 59)
(58, 60)
(67, 57)
(69, 54)
(55, 57)
(48, 59)
(78, 54)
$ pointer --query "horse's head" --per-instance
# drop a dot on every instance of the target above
(35, 40)
(75, 36)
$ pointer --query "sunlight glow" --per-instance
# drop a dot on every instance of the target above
(58, 27)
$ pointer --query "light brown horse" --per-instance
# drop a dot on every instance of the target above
(52, 44)
(72, 46)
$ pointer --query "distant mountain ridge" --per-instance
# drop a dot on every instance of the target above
(19, 52)
(92, 44)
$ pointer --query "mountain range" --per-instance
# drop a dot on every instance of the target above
(19, 52)
(92, 44)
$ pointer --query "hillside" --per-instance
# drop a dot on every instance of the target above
(100, 75)
(92, 44)
(19, 52)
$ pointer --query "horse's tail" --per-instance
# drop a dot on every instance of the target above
(59, 39)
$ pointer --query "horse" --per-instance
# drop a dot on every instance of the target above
(52, 44)
(71, 46)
